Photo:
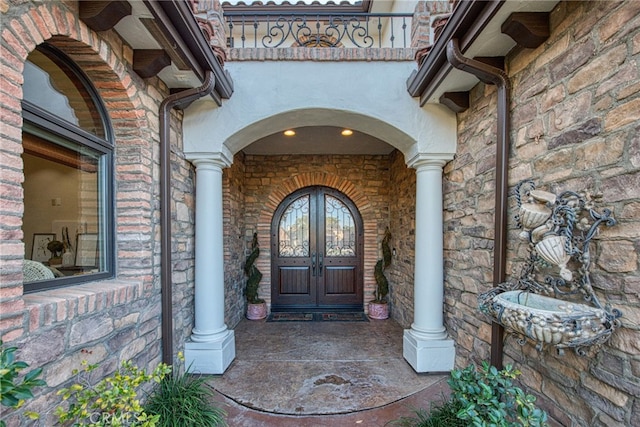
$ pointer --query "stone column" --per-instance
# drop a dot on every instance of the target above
(211, 347)
(426, 345)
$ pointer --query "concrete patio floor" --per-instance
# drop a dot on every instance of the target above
(321, 374)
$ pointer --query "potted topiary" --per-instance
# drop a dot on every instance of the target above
(256, 306)
(378, 307)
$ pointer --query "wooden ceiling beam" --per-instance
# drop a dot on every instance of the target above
(494, 61)
(455, 101)
(168, 42)
(103, 15)
(149, 62)
(528, 29)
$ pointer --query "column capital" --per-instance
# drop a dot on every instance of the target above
(220, 159)
(422, 160)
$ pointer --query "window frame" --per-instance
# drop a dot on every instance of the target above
(38, 122)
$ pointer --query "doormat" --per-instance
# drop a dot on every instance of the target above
(290, 317)
(344, 317)
(317, 317)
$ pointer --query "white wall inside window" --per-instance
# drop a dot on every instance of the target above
(55, 194)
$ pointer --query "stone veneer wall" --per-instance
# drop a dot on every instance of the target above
(183, 207)
(237, 238)
(365, 179)
(112, 320)
(320, 54)
(402, 202)
(575, 125)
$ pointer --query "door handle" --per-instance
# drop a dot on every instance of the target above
(313, 264)
(320, 265)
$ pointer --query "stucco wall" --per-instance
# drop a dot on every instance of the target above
(112, 320)
(575, 117)
(371, 97)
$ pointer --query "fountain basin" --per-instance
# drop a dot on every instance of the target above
(549, 320)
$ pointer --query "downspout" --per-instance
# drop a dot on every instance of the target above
(495, 76)
(177, 99)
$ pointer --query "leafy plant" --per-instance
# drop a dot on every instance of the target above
(382, 284)
(484, 397)
(113, 401)
(489, 398)
(253, 274)
(442, 415)
(14, 391)
(182, 400)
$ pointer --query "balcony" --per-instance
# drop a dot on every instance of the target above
(269, 29)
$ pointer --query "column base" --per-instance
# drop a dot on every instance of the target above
(428, 355)
(212, 357)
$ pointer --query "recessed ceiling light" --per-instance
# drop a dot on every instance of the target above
(346, 132)
(289, 132)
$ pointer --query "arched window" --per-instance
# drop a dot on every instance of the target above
(68, 175)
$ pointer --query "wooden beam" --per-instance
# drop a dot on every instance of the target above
(494, 61)
(455, 101)
(528, 29)
(168, 42)
(103, 15)
(149, 62)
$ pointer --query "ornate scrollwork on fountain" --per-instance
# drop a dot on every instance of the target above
(559, 230)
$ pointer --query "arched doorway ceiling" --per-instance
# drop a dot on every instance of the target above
(271, 96)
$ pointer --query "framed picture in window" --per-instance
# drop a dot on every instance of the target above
(39, 251)
(87, 250)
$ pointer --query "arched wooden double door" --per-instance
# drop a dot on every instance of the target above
(317, 250)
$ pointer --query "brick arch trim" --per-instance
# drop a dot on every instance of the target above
(104, 61)
(58, 26)
(307, 180)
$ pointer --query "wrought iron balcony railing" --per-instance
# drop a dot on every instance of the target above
(264, 29)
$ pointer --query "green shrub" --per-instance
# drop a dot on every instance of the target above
(113, 401)
(14, 392)
(484, 397)
(489, 398)
(182, 400)
(442, 415)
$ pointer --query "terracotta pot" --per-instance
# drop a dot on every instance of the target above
(256, 311)
(379, 311)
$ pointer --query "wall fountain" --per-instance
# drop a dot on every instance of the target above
(540, 304)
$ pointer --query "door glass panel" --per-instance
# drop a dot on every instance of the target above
(340, 229)
(293, 230)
